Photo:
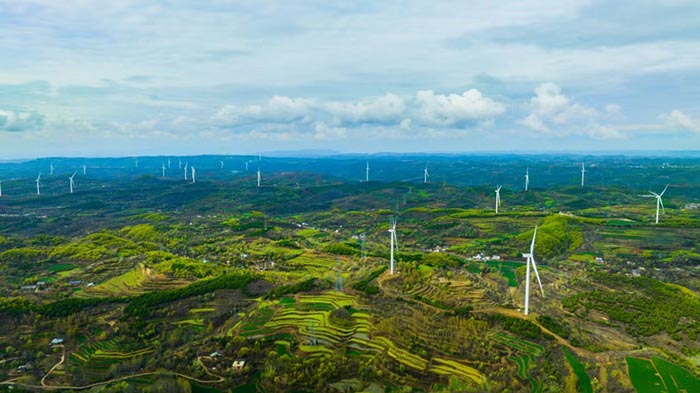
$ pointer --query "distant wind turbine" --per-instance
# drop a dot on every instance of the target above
(583, 174)
(258, 177)
(186, 171)
(426, 175)
(367, 172)
(531, 261)
(136, 163)
(71, 182)
(527, 179)
(659, 202)
(84, 170)
(193, 174)
(179, 164)
(393, 244)
(51, 168)
(0, 188)
(168, 163)
(162, 171)
(222, 164)
(498, 198)
(38, 184)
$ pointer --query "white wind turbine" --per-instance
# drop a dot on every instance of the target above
(84, 170)
(51, 168)
(659, 202)
(531, 261)
(367, 172)
(426, 175)
(527, 179)
(168, 163)
(498, 198)
(393, 244)
(246, 166)
(193, 174)
(162, 171)
(222, 164)
(0, 188)
(186, 164)
(38, 182)
(179, 164)
(71, 182)
(583, 174)
(258, 177)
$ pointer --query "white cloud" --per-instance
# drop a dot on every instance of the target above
(455, 109)
(278, 109)
(551, 108)
(388, 108)
(18, 121)
(678, 119)
(470, 109)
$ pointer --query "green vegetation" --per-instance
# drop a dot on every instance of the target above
(583, 380)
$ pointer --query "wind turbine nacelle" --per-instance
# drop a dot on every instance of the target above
(527, 255)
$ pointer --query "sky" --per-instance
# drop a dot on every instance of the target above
(124, 78)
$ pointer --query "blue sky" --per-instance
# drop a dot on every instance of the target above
(91, 78)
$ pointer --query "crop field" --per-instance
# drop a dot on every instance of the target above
(657, 375)
(524, 356)
(97, 359)
(584, 381)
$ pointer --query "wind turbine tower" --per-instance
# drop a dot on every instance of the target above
(0, 188)
(367, 172)
(71, 182)
(258, 177)
(531, 261)
(168, 163)
(498, 198)
(659, 202)
(51, 169)
(392, 244)
(186, 164)
(527, 179)
(222, 164)
(425, 174)
(193, 174)
(38, 184)
(84, 170)
(163, 171)
(583, 174)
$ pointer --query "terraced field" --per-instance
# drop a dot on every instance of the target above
(96, 359)
(308, 317)
(525, 354)
(134, 282)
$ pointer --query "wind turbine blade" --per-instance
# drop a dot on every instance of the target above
(396, 241)
(662, 205)
(532, 245)
(534, 267)
(662, 192)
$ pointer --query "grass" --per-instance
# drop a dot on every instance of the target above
(584, 381)
(61, 267)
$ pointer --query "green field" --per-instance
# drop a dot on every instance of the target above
(659, 376)
(584, 381)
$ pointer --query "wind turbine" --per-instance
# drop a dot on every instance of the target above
(163, 170)
(659, 202)
(531, 261)
(186, 170)
(367, 173)
(498, 198)
(583, 174)
(38, 187)
(84, 170)
(527, 178)
(426, 175)
(246, 166)
(0, 188)
(51, 168)
(393, 244)
(222, 164)
(136, 162)
(168, 163)
(258, 177)
(179, 164)
(193, 173)
(72, 183)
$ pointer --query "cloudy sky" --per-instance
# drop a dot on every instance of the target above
(80, 77)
